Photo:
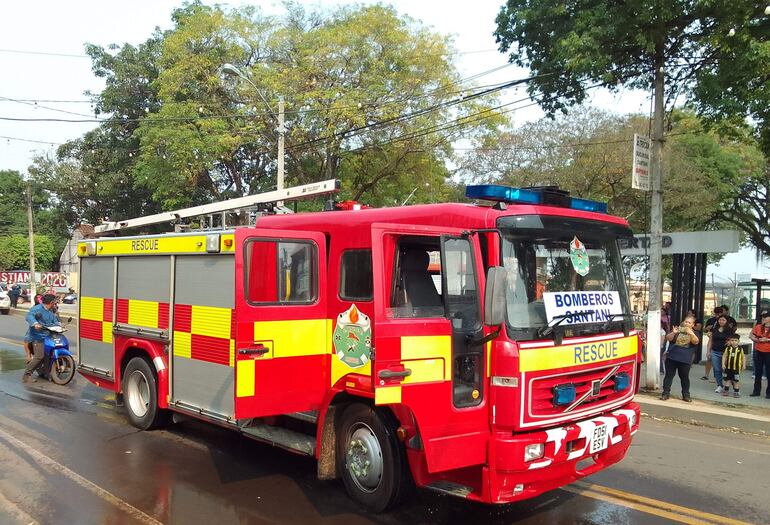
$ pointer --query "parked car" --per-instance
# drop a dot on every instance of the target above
(5, 302)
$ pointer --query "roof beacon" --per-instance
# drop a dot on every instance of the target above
(545, 195)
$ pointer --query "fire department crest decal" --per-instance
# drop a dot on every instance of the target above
(353, 338)
(578, 256)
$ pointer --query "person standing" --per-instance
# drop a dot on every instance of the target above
(760, 335)
(38, 318)
(679, 358)
(14, 294)
(710, 322)
(732, 363)
(718, 336)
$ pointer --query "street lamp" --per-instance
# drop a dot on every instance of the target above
(230, 69)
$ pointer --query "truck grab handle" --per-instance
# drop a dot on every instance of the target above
(390, 374)
(260, 349)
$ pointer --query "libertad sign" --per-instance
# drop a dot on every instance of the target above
(718, 241)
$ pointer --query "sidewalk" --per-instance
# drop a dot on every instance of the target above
(748, 414)
(65, 310)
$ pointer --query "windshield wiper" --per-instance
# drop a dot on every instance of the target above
(611, 319)
(547, 330)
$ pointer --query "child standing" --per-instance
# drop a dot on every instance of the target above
(732, 364)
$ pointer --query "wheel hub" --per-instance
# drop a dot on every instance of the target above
(364, 458)
(138, 393)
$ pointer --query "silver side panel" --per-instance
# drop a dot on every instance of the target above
(204, 281)
(144, 278)
(207, 386)
(97, 355)
(97, 279)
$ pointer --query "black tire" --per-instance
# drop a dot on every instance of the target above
(140, 394)
(63, 370)
(5, 311)
(362, 429)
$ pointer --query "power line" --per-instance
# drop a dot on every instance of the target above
(43, 53)
(31, 140)
(36, 105)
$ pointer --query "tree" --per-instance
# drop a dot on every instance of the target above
(589, 154)
(14, 254)
(574, 46)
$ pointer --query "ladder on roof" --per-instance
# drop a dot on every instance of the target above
(286, 194)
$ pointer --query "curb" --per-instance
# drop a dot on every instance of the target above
(703, 413)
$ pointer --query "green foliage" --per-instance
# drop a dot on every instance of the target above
(589, 153)
(14, 253)
(367, 96)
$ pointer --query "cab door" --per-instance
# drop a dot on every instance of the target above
(427, 356)
(282, 339)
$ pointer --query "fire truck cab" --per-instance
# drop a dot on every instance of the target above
(483, 351)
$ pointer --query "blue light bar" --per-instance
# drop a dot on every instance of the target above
(587, 205)
(564, 394)
(549, 196)
(622, 382)
(495, 192)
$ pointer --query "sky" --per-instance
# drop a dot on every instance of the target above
(42, 59)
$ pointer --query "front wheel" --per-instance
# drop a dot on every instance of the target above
(140, 392)
(63, 370)
(5, 311)
(370, 458)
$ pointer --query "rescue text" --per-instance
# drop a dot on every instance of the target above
(144, 245)
(589, 353)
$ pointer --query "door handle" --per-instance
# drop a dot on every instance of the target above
(254, 350)
(391, 374)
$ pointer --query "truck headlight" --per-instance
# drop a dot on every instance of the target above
(534, 451)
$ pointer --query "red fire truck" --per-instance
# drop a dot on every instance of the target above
(481, 350)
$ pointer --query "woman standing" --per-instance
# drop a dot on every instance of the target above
(679, 357)
(716, 347)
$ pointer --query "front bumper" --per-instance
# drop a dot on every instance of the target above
(5, 303)
(566, 458)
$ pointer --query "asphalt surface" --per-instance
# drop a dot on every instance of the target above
(68, 455)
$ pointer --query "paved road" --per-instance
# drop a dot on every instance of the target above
(67, 455)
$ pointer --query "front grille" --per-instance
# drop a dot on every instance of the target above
(541, 390)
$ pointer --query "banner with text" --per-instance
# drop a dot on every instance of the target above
(55, 280)
(640, 171)
(581, 307)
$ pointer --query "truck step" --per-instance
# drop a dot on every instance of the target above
(309, 416)
(282, 437)
(449, 488)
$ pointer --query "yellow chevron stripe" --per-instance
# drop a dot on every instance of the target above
(107, 332)
(182, 345)
(244, 373)
(92, 308)
(211, 321)
(143, 313)
(428, 347)
(294, 338)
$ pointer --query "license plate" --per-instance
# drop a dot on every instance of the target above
(599, 439)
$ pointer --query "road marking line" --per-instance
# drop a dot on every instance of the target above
(11, 342)
(16, 512)
(643, 431)
(650, 505)
(80, 480)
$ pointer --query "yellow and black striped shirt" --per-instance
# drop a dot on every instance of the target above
(733, 358)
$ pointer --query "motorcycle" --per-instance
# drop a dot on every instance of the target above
(58, 363)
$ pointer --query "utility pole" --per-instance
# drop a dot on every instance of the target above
(32, 283)
(656, 228)
(281, 135)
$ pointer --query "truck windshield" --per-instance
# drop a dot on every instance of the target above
(547, 257)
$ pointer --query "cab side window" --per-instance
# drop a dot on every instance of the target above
(416, 288)
(356, 278)
(281, 272)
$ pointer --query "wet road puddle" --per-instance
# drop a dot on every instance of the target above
(11, 360)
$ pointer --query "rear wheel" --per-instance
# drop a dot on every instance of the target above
(370, 458)
(63, 370)
(140, 393)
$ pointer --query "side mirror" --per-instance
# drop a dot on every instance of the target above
(494, 296)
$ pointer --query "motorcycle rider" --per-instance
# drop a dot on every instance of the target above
(38, 318)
